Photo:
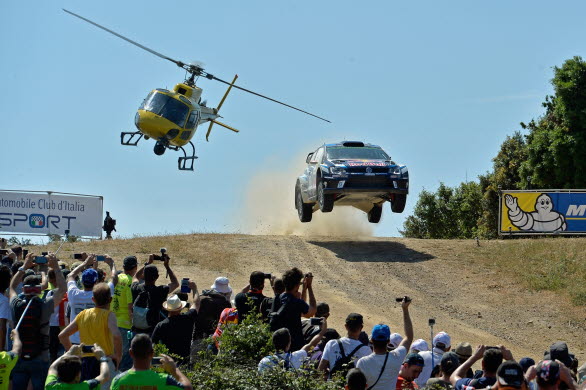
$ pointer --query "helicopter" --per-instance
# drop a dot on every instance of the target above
(171, 117)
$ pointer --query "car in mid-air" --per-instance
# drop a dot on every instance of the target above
(351, 173)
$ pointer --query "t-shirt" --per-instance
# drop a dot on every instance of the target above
(175, 332)
(427, 368)
(211, 306)
(120, 300)
(481, 383)
(79, 300)
(403, 384)
(58, 316)
(309, 331)
(144, 380)
(291, 360)
(332, 351)
(93, 329)
(292, 318)
(372, 364)
(52, 383)
(157, 295)
(7, 362)
(242, 303)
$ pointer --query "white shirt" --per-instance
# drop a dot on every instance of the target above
(372, 365)
(332, 351)
(426, 372)
(79, 300)
(295, 360)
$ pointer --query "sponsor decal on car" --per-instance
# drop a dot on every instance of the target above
(367, 163)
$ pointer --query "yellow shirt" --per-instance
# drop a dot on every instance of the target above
(7, 363)
(122, 297)
(93, 329)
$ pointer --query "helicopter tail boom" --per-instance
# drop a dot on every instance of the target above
(218, 109)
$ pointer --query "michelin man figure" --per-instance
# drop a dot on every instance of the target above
(543, 219)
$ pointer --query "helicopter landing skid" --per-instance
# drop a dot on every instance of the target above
(185, 163)
(130, 140)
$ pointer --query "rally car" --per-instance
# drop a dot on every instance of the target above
(351, 173)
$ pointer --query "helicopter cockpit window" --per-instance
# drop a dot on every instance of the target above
(193, 120)
(167, 107)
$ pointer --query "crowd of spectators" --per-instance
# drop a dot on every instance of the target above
(78, 326)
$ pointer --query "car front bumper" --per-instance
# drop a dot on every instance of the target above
(360, 183)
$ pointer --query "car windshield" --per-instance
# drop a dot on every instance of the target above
(167, 107)
(356, 153)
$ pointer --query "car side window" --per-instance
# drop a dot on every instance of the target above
(318, 156)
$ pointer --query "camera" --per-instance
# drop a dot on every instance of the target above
(24, 253)
(431, 321)
(31, 290)
(40, 260)
(3, 252)
(268, 276)
(100, 257)
(87, 349)
(185, 285)
(407, 299)
(44, 253)
(315, 321)
(156, 361)
(78, 256)
(163, 255)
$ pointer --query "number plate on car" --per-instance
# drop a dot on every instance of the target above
(341, 183)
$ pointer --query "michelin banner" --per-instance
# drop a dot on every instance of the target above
(557, 212)
(50, 213)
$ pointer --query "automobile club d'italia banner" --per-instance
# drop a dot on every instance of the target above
(543, 212)
(50, 213)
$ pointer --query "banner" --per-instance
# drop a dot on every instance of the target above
(50, 213)
(543, 212)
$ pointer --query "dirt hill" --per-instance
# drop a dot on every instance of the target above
(477, 293)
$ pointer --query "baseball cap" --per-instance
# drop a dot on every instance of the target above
(89, 277)
(450, 361)
(380, 332)
(526, 362)
(510, 373)
(559, 351)
(442, 338)
(548, 372)
(395, 339)
(222, 285)
(356, 319)
(130, 262)
(414, 359)
(463, 350)
(419, 345)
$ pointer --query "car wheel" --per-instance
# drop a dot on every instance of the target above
(325, 201)
(304, 210)
(375, 213)
(398, 203)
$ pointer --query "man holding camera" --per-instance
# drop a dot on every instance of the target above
(32, 314)
(251, 296)
(65, 372)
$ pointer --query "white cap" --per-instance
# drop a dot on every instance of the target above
(395, 339)
(419, 345)
(442, 338)
(222, 285)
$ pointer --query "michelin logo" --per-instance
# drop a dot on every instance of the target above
(543, 219)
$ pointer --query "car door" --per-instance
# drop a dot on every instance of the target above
(312, 169)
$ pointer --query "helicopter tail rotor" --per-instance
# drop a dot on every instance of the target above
(218, 109)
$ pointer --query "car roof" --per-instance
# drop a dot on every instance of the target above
(352, 144)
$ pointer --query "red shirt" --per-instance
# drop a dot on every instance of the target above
(403, 384)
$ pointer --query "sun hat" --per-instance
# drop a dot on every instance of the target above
(222, 285)
(464, 350)
(173, 303)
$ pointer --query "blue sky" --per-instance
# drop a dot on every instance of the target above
(439, 85)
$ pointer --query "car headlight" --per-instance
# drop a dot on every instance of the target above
(395, 170)
(337, 171)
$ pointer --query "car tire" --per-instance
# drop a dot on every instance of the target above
(398, 203)
(375, 213)
(304, 210)
(325, 201)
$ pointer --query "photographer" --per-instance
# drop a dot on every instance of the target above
(65, 372)
(251, 296)
(34, 330)
(80, 300)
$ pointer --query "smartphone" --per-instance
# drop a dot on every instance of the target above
(268, 276)
(44, 253)
(491, 347)
(401, 299)
(40, 260)
(24, 253)
(315, 321)
(78, 256)
(3, 252)
(156, 361)
(87, 349)
(100, 257)
(185, 285)
(157, 257)
(31, 290)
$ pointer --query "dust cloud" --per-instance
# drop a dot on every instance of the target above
(270, 209)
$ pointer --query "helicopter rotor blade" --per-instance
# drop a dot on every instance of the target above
(179, 63)
(265, 97)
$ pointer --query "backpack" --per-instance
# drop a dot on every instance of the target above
(33, 341)
(345, 363)
(143, 317)
(277, 316)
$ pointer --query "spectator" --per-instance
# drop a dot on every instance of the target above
(448, 365)
(58, 320)
(525, 363)
(349, 348)
(33, 361)
(122, 308)
(290, 360)
(464, 351)
(228, 318)
(288, 307)
(251, 296)
(510, 376)
(175, 331)
(316, 354)
(419, 345)
(96, 326)
(149, 295)
(355, 380)
(491, 360)
(551, 375)
(410, 370)
(5, 315)
(8, 360)
(65, 372)
(322, 311)
(441, 344)
(79, 300)
(212, 303)
(141, 375)
(381, 368)
(394, 341)
(266, 305)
